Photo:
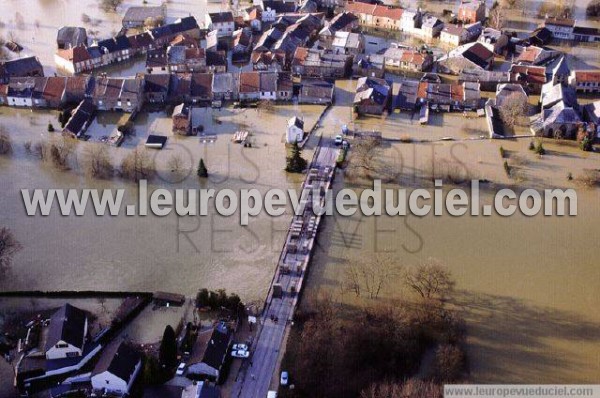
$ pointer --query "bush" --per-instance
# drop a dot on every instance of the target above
(531, 146)
(295, 162)
(167, 356)
(97, 162)
(593, 9)
(215, 300)
(5, 143)
(502, 152)
(586, 144)
(202, 170)
(507, 168)
(126, 128)
(50, 128)
(539, 148)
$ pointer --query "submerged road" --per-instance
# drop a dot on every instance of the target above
(254, 381)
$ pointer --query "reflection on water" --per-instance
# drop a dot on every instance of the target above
(528, 287)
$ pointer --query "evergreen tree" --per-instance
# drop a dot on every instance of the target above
(295, 162)
(202, 170)
(167, 355)
(50, 128)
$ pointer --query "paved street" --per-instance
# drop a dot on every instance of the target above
(255, 380)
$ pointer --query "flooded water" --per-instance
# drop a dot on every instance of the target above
(527, 287)
(151, 253)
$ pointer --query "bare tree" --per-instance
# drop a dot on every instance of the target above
(19, 22)
(5, 142)
(372, 277)
(137, 165)
(97, 161)
(110, 5)
(365, 155)
(409, 389)
(61, 150)
(352, 279)
(176, 163)
(513, 108)
(9, 246)
(496, 17)
(431, 280)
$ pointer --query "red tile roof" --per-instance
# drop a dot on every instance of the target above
(588, 76)
(388, 12)
(361, 8)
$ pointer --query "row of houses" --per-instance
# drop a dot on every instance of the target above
(416, 23)
(567, 29)
(82, 58)
(184, 59)
(376, 96)
(130, 94)
(107, 93)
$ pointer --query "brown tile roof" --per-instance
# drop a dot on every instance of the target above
(454, 30)
(249, 82)
(77, 85)
(529, 54)
(75, 54)
(55, 86)
(457, 92)
(300, 55)
(183, 39)
(560, 21)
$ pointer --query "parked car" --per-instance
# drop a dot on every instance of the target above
(180, 369)
(338, 140)
(239, 347)
(272, 394)
(240, 354)
(284, 379)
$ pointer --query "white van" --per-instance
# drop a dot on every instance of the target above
(272, 394)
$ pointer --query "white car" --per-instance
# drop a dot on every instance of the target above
(284, 379)
(239, 347)
(338, 140)
(180, 369)
(240, 354)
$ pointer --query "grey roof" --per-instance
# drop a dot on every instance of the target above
(553, 94)
(505, 90)
(118, 359)
(218, 345)
(68, 325)
(371, 87)
(268, 81)
(296, 121)
(71, 36)
(431, 22)
(405, 94)
(222, 83)
(22, 66)
(139, 14)
(176, 55)
(592, 111)
(561, 67)
(561, 114)
(221, 17)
